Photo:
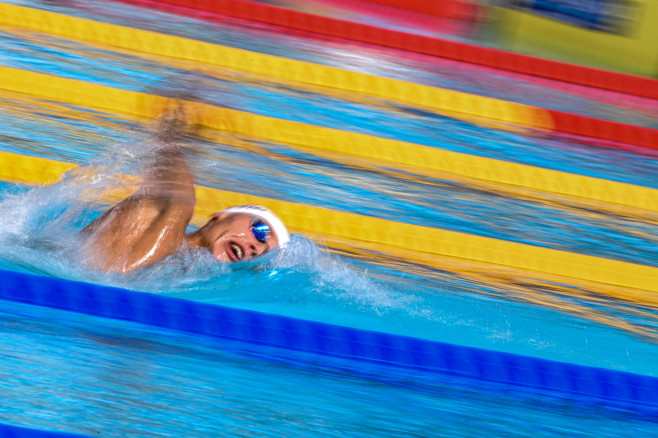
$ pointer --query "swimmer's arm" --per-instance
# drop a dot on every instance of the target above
(150, 224)
(169, 179)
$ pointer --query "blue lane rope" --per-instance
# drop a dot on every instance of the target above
(533, 374)
(10, 431)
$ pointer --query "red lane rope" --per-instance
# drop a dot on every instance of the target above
(617, 132)
(440, 8)
(251, 10)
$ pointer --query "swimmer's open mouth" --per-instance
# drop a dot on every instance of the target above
(235, 251)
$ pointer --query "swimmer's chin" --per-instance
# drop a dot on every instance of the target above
(221, 255)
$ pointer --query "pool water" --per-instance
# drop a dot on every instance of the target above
(143, 382)
(111, 378)
(346, 286)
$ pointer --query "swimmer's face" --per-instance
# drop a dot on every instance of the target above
(233, 237)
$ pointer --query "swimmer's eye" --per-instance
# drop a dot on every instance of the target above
(261, 231)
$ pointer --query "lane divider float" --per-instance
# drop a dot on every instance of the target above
(281, 68)
(422, 358)
(428, 160)
(427, 45)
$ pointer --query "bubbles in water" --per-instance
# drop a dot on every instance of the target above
(38, 226)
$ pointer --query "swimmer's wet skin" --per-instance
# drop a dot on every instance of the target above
(150, 224)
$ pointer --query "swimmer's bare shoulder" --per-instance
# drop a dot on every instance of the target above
(150, 224)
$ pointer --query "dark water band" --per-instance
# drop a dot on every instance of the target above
(532, 374)
(11, 431)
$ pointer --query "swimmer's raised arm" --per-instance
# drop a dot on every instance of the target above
(150, 224)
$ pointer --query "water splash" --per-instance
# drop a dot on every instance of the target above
(40, 224)
(39, 234)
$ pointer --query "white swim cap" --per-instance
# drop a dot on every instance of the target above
(266, 215)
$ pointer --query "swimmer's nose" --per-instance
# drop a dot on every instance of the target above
(257, 249)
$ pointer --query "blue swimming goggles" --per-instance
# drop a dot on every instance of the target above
(261, 231)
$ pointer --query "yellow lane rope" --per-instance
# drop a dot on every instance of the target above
(26, 169)
(427, 160)
(389, 234)
(277, 67)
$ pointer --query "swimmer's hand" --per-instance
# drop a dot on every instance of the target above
(177, 120)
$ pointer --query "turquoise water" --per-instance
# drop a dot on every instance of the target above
(110, 378)
(143, 382)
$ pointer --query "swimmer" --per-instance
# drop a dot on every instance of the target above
(150, 224)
